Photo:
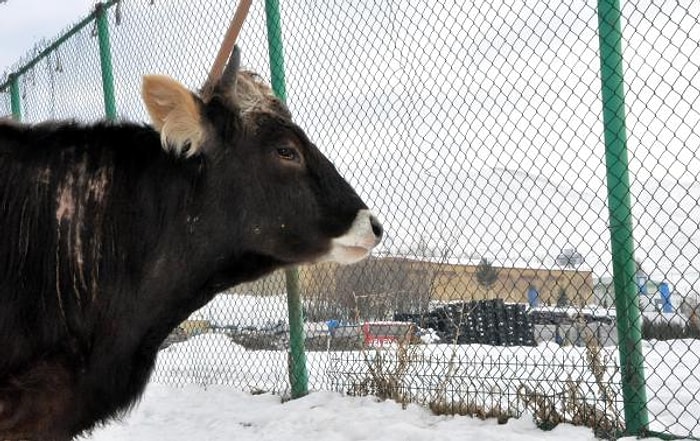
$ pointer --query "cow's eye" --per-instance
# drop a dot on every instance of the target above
(288, 153)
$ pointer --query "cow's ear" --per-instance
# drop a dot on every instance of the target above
(174, 112)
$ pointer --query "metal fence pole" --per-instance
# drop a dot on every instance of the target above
(626, 294)
(105, 61)
(275, 48)
(298, 374)
(15, 98)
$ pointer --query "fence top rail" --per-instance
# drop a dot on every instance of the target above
(55, 44)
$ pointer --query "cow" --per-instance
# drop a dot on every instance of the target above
(112, 233)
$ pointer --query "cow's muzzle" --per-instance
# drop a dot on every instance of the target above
(364, 234)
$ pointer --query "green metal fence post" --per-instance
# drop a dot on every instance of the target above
(275, 48)
(105, 61)
(298, 374)
(15, 98)
(626, 291)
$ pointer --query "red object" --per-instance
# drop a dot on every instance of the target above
(381, 333)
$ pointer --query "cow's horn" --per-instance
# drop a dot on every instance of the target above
(228, 78)
(227, 46)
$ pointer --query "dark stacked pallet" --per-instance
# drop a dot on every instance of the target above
(490, 322)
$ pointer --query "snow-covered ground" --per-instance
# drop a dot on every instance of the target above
(219, 413)
(215, 370)
(484, 375)
(218, 375)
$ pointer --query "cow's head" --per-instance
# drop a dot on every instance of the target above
(285, 200)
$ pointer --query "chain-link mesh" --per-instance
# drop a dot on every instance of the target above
(66, 82)
(5, 105)
(475, 132)
(662, 78)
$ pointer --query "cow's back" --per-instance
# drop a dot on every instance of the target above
(81, 207)
(74, 240)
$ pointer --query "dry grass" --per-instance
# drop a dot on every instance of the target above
(386, 378)
(467, 408)
(440, 405)
(385, 375)
(572, 406)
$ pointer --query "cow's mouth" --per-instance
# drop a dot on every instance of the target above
(345, 255)
(364, 234)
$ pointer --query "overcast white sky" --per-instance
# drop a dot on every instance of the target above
(441, 102)
(25, 22)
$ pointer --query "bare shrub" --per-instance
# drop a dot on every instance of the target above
(571, 405)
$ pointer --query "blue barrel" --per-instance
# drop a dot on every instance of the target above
(665, 297)
(533, 296)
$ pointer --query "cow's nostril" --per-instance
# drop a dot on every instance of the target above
(377, 228)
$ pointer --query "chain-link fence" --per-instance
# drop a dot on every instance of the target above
(481, 136)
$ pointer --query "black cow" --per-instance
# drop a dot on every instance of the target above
(113, 233)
